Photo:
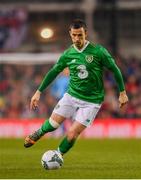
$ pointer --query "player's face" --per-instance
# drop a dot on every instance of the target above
(78, 37)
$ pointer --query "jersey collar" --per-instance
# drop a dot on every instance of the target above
(84, 47)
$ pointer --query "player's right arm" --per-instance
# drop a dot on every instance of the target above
(34, 100)
(49, 77)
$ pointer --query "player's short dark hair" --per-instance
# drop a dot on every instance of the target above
(78, 23)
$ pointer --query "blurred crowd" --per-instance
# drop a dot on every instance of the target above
(19, 82)
(130, 68)
(13, 28)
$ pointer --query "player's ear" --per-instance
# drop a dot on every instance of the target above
(70, 32)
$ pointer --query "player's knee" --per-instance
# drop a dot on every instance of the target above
(72, 135)
(57, 119)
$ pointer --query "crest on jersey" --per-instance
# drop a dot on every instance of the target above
(89, 58)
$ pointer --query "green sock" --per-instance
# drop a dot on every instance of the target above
(46, 127)
(65, 145)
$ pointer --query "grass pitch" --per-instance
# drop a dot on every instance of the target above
(91, 158)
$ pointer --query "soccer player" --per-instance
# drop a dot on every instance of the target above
(86, 62)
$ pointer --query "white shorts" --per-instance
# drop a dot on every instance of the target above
(76, 109)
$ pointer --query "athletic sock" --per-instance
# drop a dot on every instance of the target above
(48, 126)
(65, 145)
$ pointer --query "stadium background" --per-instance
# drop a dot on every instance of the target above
(27, 53)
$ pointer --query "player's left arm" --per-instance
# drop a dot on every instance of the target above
(109, 63)
(123, 98)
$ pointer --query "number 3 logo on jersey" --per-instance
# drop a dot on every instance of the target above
(83, 73)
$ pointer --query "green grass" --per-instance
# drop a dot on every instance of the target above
(91, 159)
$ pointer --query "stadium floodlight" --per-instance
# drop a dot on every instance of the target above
(46, 33)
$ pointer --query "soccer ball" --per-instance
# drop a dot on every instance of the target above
(52, 159)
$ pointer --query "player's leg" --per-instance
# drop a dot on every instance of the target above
(71, 136)
(84, 117)
(49, 125)
(63, 110)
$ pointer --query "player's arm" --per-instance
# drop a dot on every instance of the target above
(109, 62)
(49, 77)
(123, 99)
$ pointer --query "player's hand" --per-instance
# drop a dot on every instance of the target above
(35, 100)
(123, 99)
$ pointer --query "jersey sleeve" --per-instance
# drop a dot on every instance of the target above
(109, 62)
(51, 75)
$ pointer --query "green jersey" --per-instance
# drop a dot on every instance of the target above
(86, 68)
